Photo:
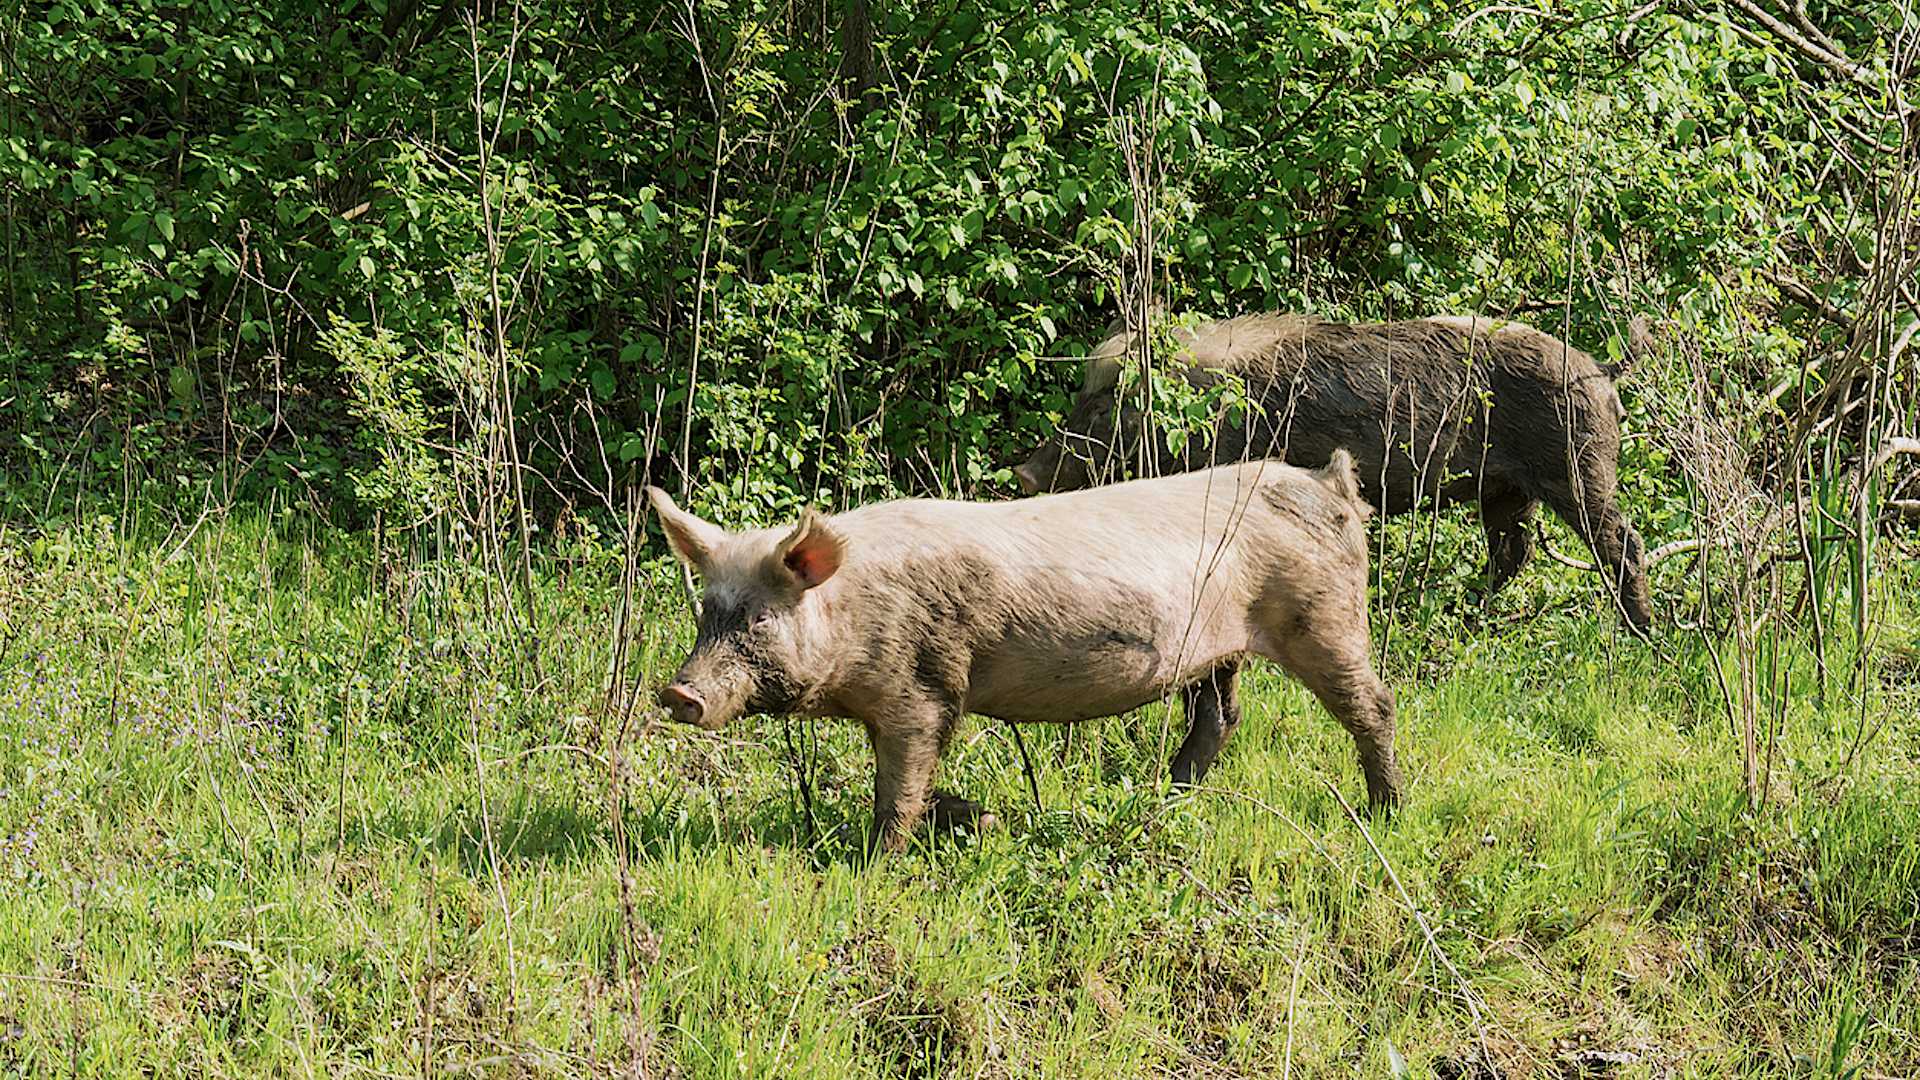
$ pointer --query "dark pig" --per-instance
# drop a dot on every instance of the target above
(906, 615)
(1449, 409)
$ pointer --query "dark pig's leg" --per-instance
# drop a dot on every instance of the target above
(1213, 711)
(1506, 515)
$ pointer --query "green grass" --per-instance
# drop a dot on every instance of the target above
(267, 811)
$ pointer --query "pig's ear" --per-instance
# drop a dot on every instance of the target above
(692, 539)
(812, 551)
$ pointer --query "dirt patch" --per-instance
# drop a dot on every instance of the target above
(210, 989)
(912, 1029)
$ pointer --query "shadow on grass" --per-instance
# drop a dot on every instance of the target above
(667, 830)
(535, 829)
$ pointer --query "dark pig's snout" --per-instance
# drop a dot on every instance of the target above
(1027, 478)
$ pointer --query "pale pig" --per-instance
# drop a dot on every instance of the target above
(907, 615)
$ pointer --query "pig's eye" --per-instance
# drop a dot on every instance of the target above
(763, 617)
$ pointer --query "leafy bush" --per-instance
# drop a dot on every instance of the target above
(731, 243)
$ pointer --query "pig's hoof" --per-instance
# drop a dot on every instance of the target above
(954, 812)
(1381, 806)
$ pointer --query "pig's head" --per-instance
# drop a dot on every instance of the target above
(759, 619)
(1094, 441)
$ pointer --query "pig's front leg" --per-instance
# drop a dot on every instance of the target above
(906, 749)
(1213, 711)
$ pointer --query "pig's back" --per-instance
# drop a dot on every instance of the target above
(1114, 522)
(1092, 602)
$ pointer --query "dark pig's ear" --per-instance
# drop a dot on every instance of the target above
(812, 551)
(692, 539)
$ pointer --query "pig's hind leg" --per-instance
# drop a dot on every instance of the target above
(1506, 518)
(1326, 647)
(952, 811)
(1212, 705)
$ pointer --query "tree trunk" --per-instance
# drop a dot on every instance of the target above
(859, 73)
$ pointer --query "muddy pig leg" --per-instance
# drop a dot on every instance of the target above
(1327, 650)
(906, 749)
(1212, 706)
(1616, 548)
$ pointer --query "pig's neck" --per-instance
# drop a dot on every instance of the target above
(825, 643)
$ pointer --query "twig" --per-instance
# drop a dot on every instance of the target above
(1657, 555)
(1810, 300)
(802, 775)
(530, 751)
(1467, 992)
(1498, 9)
(493, 860)
(1276, 812)
(1293, 996)
(1899, 444)
(55, 980)
(1812, 50)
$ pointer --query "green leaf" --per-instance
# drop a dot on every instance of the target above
(602, 379)
(181, 383)
(366, 267)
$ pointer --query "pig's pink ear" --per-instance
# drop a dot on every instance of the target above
(812, 551)
(692, 539)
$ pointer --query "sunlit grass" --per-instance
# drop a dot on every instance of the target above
(199, 881)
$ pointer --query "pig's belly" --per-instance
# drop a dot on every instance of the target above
(1103, 675)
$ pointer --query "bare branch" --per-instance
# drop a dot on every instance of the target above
(1497, 9)
(1896, 445)
(1653, 558)
(1813, 50)
(1810, 300)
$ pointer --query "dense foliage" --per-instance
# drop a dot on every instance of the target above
(329, 241)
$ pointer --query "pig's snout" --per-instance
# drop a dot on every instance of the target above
(684, 704)
(1027, 478)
